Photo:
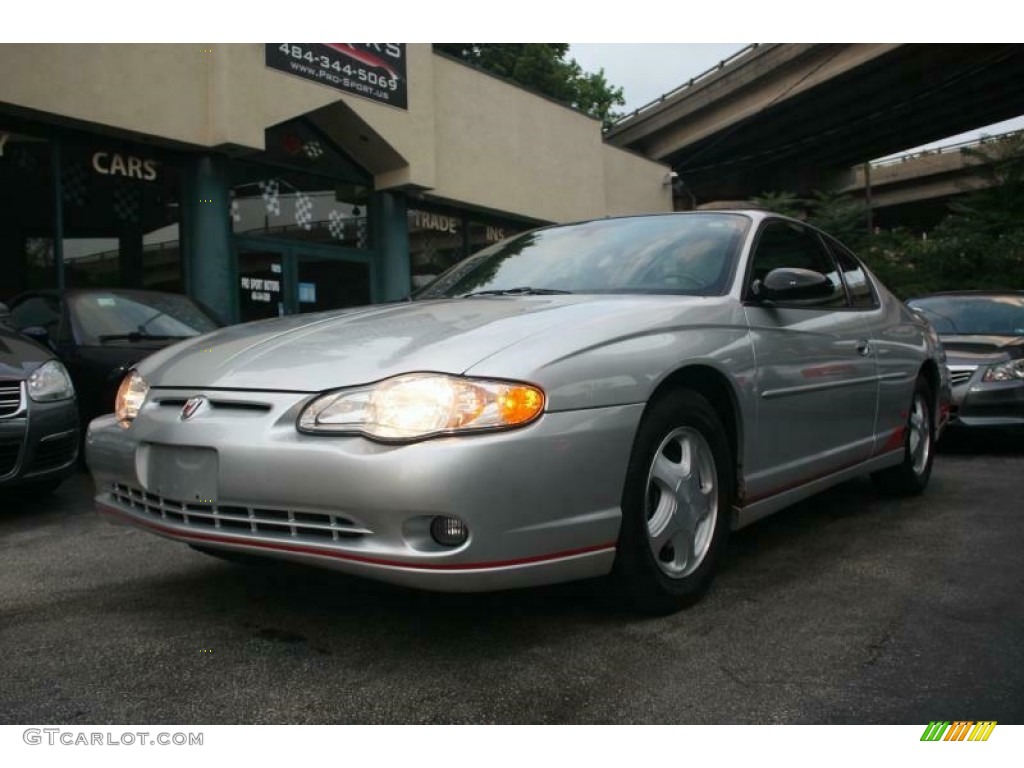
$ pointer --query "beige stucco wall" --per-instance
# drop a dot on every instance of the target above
(466, 137)
(634, 184)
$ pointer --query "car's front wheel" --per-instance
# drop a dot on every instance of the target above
(675, 506)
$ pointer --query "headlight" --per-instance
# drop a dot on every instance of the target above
(50, 381)
(1011, 371)
(130, 397)
(422, 405)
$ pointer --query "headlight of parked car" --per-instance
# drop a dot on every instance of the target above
(50, 381)
(1011, 371)
(130, 397)
(420, 405)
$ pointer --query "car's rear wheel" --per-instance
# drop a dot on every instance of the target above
(911, 476)
(676, 504)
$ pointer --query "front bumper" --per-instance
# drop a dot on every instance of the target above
(39, 443)
(541, 503)
(992, 404)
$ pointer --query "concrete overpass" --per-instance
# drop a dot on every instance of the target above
(796, 116)
(914, 189)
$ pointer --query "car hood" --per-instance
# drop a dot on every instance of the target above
(311, 353)
(985, 349)
(19, 356)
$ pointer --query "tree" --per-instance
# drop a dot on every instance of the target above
(544, 67)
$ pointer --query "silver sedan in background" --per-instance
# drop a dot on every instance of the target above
(606, 398)
(983, 335)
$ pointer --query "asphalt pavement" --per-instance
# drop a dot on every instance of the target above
(848, 608)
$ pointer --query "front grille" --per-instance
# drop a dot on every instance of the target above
(9, 450)
(218, 404)
(55, 452)
(10, 397)
(961, 374)
(240, 519)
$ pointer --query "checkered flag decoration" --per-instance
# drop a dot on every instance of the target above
(233, 208)
(313, 149)
(304, 210)
(362, 237)
(271, 192)
(336, 225)
(74, 180)
(127, 203)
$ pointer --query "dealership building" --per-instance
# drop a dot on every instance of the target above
(286, 177)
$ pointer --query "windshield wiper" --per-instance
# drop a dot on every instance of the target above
(523, 291)
(136, 336)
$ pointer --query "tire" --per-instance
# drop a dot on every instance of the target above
(910, 477)
(670, 541)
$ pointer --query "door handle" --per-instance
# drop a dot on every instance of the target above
(863, 347)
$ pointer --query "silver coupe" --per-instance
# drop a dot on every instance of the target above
(606, 398)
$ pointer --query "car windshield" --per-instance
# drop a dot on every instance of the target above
(687, 254)
(104, 317)
(970, 315)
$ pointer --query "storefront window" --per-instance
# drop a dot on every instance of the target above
(485, 232)
(26, 213)
(274, 202)
(436, 242)
(440, 238)
(121, 214)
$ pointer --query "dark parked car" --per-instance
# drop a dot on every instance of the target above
(983, 333)
(38, 415)
(100, 334)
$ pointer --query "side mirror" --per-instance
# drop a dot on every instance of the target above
(38, 334)
(792, 284)
(5, 313)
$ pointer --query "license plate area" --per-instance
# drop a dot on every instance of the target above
(182, 473)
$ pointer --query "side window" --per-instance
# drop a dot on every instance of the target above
(37, 310)
(782, 244)
(861, 294)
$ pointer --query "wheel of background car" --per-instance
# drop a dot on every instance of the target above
(911, 476)
(675, 506)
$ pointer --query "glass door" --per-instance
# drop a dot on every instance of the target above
(328, 282)
(260, 282)
(280, 278)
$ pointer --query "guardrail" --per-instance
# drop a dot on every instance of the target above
(948, 149)
(687, 85)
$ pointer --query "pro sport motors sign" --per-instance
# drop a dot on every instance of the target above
(374, 71)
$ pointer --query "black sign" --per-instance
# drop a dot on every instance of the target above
(374, 71)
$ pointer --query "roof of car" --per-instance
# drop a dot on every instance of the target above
(971, 292)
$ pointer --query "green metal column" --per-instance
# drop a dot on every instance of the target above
(209, 268)
(392, 246)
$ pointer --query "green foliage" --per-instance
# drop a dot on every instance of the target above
(978, 245)
(842, 216)
(543, 67)
(785, 203)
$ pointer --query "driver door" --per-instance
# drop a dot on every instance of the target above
(817, 379)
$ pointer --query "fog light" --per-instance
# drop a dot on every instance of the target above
(448, 531)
